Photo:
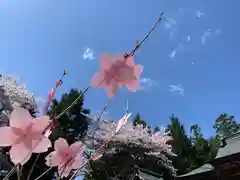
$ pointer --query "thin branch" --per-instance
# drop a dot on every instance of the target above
(18, 173)
(146, 37)
(10, 173)
(99, 150)
(34, 163)
(73, 103)
(100, 115)
(44, 173)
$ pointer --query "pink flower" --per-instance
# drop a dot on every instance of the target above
(122, 122)
(24, 135)
(66, 157)
(51, 95)
(96, 156)
(115, 72)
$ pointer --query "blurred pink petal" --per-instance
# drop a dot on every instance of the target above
(41, 145)
(132, 86)
(122, 122)
(19, 153)
(130, 61)
(48, 132)
(106, 62)
(66, 157)
(117, 71)
(79, 161)
(7, 136)
(41, 123)
(24, 135)
(112, 88)
(51, 95)
(98, 80)
(53, 159)
(96, 157)
(60, 144)
(138, 69)
(64, 171)
(20, 118)
(125, 74)
(77, 147)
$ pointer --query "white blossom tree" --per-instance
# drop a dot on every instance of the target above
(12, 95)
(140, 143)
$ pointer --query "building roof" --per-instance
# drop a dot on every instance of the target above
(232, 146)
(202, 169)
(145, 174)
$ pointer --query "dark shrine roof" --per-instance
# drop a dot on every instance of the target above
(202, 169)
(232, 146)
(145, 174)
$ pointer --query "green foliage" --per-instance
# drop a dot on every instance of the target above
(122, 164)
(138, 121)
(73, 125)
(225, 125)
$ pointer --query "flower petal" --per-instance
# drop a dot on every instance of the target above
(119, 58)
(40, 123)
(96, 157)
(98, 80)
(130, 61)
(78, 162)
(132, 86)
(60, 144)
(7, 136)
(64, 171)
(122, 122)
(53, 159)
(77, 147)
(20, 118)
(19, 153)
(41, 145)
(106, 62)
(112, 88)
(138, 69)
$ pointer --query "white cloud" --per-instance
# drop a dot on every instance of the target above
(218, 31)
(205, 35)
(177, 88)
(169, 22)
(199, 14)
(188, 38)
(88, 54)
(208, 33)
(173, 33)
(146, 83)
(173, 54)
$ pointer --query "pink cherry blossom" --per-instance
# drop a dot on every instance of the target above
(115, 72)
(51, 95)
(122, 122)
(66, 157)
(24, 135)
(96, 156)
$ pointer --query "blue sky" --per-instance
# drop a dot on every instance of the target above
(191, 61)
